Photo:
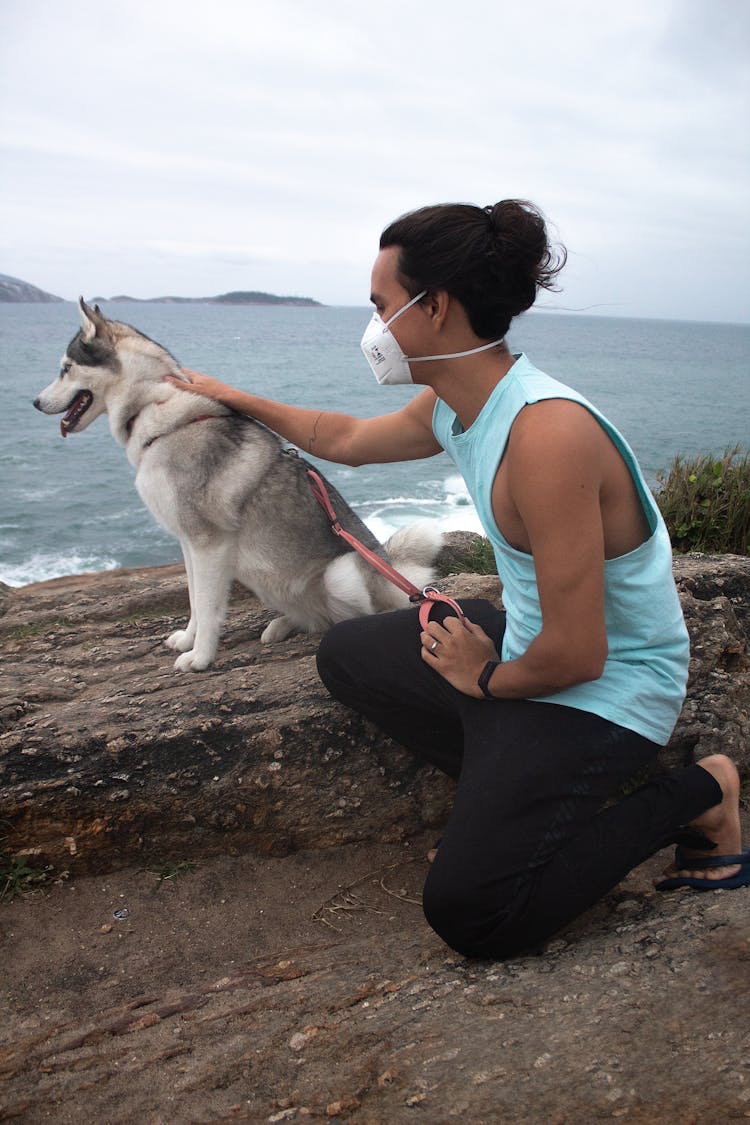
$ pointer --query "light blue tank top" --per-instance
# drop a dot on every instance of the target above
(645, 675)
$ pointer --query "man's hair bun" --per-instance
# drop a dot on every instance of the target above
(493, 259)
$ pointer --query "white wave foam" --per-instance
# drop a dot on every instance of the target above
(34, 494)
(466, 519)
(456, 490)
(40, 568)
(453, 511)
(449, 508)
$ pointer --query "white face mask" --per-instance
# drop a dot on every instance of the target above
(387, 362)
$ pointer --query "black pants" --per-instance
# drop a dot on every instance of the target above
(529, 845)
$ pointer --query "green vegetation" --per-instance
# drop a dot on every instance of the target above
(705, 502)
(476, 558)
(16, 876)
(480, 558)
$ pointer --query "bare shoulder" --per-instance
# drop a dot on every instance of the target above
(556, 429)
(554, 414)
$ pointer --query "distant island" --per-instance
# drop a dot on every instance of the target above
(15, 291)
(238, 297)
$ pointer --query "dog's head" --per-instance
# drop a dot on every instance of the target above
(104, 360)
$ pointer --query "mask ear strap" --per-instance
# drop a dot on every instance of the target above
(456, 355)
(408, 305)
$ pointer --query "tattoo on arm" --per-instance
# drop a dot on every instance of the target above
(314, 434)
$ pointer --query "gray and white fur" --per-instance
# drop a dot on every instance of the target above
(224, 485)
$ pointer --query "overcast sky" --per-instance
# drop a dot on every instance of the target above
(192, 148)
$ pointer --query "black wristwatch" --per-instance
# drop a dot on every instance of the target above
(484, 677)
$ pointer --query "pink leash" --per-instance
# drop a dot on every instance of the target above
(427, 597)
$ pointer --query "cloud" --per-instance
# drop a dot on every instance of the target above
(168, 145)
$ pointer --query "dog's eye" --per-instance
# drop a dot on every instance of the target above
(65, 369)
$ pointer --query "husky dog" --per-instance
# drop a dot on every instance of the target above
(225, 486)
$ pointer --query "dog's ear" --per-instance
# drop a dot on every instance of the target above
(92, 320)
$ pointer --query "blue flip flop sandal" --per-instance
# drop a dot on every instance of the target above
(701, 863)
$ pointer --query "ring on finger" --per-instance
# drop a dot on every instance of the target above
(434, 645)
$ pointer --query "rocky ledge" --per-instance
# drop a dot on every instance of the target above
(107, 756)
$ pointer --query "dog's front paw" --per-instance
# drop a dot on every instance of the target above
(192, 662)
(181, 640)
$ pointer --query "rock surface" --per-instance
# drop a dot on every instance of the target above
(309, 988)
(108, 756)
(270, 987)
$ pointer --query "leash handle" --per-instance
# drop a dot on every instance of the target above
(426, 598)
(429, 597)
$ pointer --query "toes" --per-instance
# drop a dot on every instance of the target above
(191, 662)
(714, 873)
(180, 641)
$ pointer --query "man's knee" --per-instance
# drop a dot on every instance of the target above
(332, 654)
(467, 918)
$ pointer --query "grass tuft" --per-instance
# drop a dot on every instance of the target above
(705, 502)
(16, 877)
(481, 558)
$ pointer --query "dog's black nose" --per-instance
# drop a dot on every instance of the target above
(36, 404)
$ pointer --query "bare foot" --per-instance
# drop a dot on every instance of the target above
(720, 823)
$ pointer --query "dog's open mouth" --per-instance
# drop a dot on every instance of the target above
(76, 411)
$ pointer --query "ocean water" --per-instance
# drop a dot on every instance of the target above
(69, 506)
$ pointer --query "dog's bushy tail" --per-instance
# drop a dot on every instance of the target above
(415, 545)
(413, 550)
(354, 587)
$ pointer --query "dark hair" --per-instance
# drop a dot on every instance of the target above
(493, 259)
